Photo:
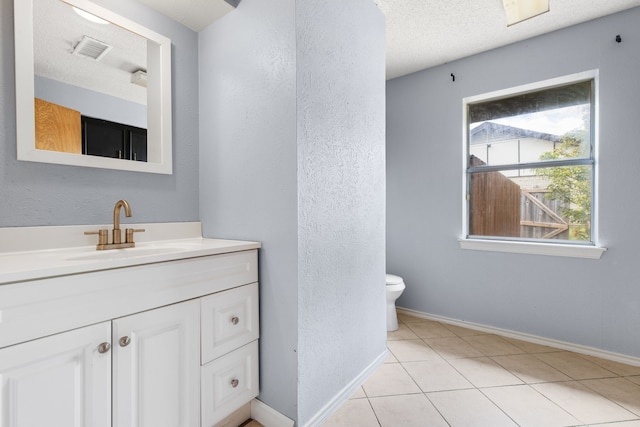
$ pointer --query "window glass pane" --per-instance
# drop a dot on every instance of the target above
(529, 127)
(532, 102)
(542, 203)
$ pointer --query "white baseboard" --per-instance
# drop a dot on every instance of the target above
(267, 416)
(591, 351)
(346, 392)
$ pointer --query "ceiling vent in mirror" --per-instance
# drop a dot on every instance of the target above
(91, 48)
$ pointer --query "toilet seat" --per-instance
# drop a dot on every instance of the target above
(392, 279)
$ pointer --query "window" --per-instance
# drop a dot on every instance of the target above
(530, 164)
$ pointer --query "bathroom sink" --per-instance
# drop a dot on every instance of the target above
(127, 253)
(33, 253)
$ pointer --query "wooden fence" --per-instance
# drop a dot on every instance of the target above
(499, 207)
(539, 218)
(494, 205)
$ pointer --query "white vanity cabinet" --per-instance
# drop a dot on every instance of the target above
(61, 380)
(151, 360)
(134, 346)
(155, 367)
(229, 351)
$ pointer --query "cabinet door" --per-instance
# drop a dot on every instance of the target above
(57, 128)
(156, 367)
(138, 143)
(110, 139)
(103, 138)
(61, 380)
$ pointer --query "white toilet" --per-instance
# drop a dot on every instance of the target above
(395, 286)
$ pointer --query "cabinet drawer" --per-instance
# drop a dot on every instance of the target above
(228, 383)
(229, 320)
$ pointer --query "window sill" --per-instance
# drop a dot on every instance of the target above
(550, 249)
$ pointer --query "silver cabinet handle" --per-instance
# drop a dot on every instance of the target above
(235, 320)
(124, 341)
(234, 383)
(104, 347)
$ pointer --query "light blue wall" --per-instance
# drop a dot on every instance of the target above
(292, 155)
(340, 49)
(248, 167)
(91, 103)
(41, 194)
(589, 302)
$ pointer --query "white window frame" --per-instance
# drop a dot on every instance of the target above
(496, 244)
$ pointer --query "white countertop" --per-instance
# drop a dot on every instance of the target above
(37, 256)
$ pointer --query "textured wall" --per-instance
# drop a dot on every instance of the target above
(589, 302)
(248, 168)
(292, 155)
(42, 194)
(341, 196)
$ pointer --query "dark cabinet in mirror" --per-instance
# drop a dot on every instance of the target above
(114, 140)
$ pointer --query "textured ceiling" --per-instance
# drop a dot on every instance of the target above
(58, 29)
(420, 34)
(424, 33)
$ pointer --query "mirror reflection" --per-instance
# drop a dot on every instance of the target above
(92, 88)
(90, 84)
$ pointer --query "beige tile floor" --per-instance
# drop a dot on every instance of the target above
(443, 375)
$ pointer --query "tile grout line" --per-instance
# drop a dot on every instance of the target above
(524, 352)
(445, 360)
(474, 386)
(373, 410)
(518, 370)
(418, 385)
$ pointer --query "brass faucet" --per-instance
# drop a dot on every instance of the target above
(117, 234)
(116, 242)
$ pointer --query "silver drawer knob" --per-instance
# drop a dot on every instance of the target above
(234, 383)
(124, 341)
(104, 347)
(235, 320)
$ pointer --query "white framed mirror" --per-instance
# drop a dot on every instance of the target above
(35, 71)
